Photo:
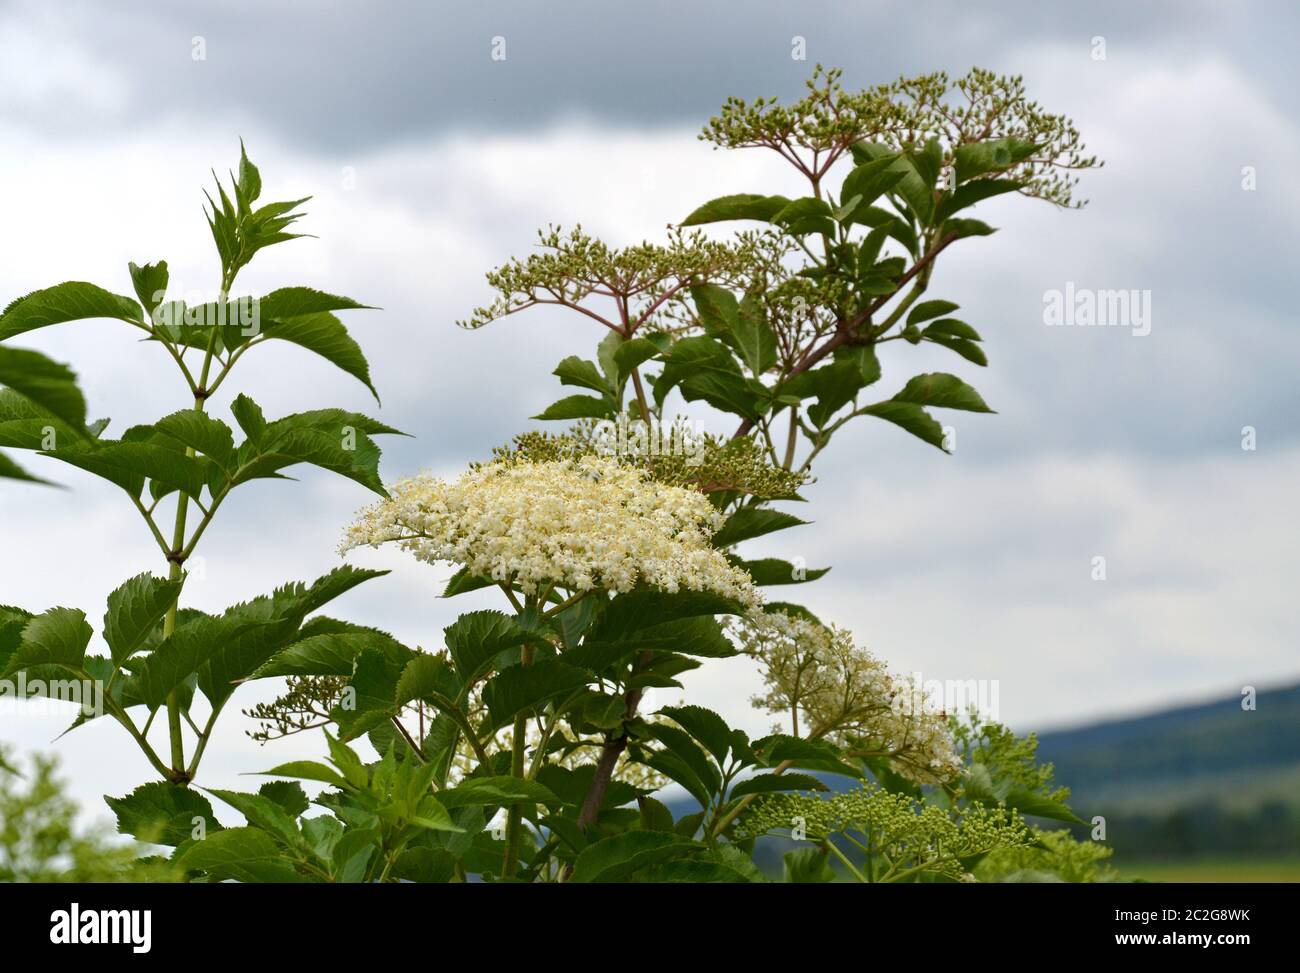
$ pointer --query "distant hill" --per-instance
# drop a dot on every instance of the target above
(1209, 779)
(1210, 752)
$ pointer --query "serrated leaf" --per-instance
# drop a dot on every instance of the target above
(162, 813)
(704, 725)
(324, 334)
(239, 855)
(150, 283)
(292, 302)
(307, 770)
(57, 637)
(73, 300)
(616, 858)
(496, 791)
(202, 433)
(51, 386)
(476, 638)
(520, 688)
(134, 610)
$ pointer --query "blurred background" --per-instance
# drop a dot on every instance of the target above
(435, 139)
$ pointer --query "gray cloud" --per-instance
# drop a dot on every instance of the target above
(972, 565)
(361, 74)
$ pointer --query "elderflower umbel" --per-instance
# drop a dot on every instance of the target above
(578, 524)
(833, 689)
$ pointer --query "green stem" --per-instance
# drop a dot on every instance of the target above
(179, 551)
(518, 744)
(830, 845)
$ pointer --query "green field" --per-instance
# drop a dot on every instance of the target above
(1212, 870)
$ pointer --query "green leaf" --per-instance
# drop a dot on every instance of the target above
(182, 653)
(324, 334)
(755, 339)
(161, 813)
(808, 866)
(750, 522)
(128, 464)
(249, 184)
(930, 309)
(741, 206)
(71, 301)
(941, 390)
(1032, 803)
(289, 795)
(374, 685)
(329, 653)
(250, 418)
(770, 783)
(974, 159)
(332, 439)
(911, 417)
(462, 582)
(150, 283)
(202, 433)
(582, 373)
(772, 571)
(10, 470)
(519, 688)
(807, 754)
(266, 625)
(292, 302)
(578, 407)
(705, 369)
(704, 725)
(975, 192)
(476, 638)
(134, 611)
(655, 815)
(700, 636)
(805, 215)
(307, 770)
(616, 858)
(964, 228)
(53, 387)
(682, 746)
(834, 386)
(57, 637)
(496, 792)
(239, 855)
(952, 328)
(966, 348)
(632, 613)
(424, 676)
(868, 182)
(632, 354)
(262, 812)
(920, 174)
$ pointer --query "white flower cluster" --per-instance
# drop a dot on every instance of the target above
(832, 689)
(577, 524)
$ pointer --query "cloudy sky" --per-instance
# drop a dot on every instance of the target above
(430, 162)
